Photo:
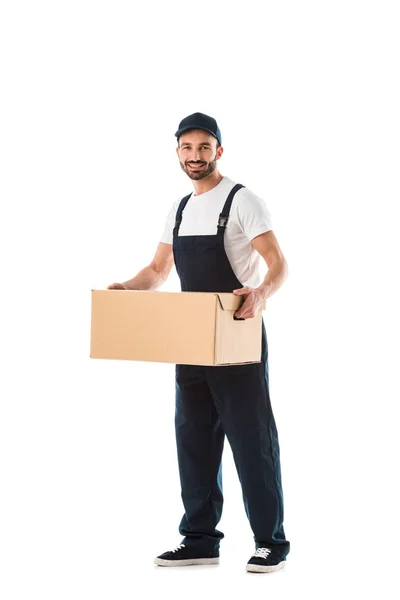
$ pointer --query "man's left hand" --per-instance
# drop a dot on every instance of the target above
(253, 299)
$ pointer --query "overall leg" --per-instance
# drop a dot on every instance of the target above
(241, 395)
(200, 440)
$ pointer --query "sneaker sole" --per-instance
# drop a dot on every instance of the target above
(186, 562)
(266, 569)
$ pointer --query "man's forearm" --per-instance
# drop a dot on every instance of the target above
(277, 273)
(146, 279)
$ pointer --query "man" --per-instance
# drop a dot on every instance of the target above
(215, 237)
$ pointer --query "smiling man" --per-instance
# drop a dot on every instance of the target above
(215, 236)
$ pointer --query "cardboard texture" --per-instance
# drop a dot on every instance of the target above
(192, 328)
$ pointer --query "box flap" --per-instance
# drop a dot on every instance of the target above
(230, 301)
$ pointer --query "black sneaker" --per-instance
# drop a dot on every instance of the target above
(265, 560)
(184, 557)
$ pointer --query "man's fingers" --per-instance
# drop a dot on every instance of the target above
(116, 286)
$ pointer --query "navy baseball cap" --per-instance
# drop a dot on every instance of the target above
(199, 121)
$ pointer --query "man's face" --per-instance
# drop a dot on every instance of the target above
(198, 153)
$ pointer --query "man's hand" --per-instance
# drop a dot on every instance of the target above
(253, 299)
(117, 286)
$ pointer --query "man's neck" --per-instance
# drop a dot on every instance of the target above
(202, 186)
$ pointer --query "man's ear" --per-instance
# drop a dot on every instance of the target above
(219, 152)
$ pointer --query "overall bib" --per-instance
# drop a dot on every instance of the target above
(214, 401)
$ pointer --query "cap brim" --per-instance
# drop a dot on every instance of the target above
(180, 131)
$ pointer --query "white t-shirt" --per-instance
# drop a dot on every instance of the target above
(248, 218)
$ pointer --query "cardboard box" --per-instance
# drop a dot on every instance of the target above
(192, 328)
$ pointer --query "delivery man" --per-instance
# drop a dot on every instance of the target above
(215, 236)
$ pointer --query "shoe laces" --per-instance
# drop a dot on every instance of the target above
(262, 552)
(178, 548)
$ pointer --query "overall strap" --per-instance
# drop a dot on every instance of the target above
(179, 212)
(224, 216)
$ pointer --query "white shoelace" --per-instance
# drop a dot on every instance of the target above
(262, 552)
(178, 548)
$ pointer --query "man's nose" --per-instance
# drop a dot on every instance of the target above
(196, 156)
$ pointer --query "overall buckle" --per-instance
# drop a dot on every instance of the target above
(223, 219)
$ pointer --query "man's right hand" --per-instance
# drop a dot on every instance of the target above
(117, 286)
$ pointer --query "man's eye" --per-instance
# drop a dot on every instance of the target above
(201, 148)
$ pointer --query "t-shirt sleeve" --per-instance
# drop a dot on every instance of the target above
(253, 215)
(167, 236)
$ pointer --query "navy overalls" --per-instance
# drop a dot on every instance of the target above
(214, 401)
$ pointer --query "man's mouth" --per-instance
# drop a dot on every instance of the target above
(198, 166)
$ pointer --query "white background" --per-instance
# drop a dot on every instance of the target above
(307, 98)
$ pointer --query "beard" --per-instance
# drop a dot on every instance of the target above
(205, 170)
